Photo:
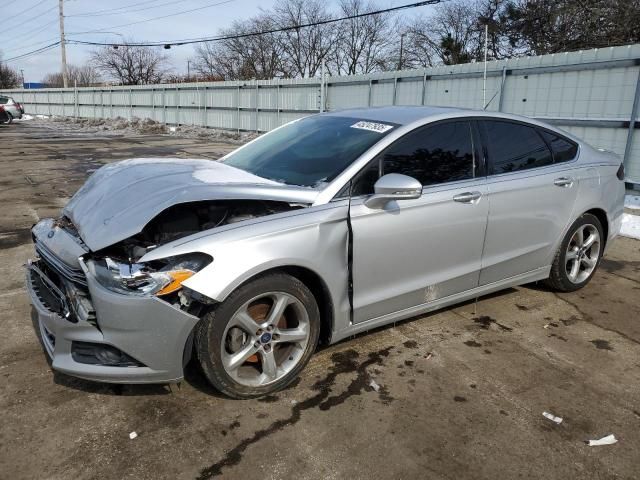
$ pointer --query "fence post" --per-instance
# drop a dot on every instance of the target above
(632, 124)
(370, 92)
(395, 88)
(504, 80)
(177, 97)
(238, 108)
(49, 101)
(164, 105)
(278, 103)
(424, 86)
(257, 110)
(75, 99)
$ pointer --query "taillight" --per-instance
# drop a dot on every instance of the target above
(620, 172)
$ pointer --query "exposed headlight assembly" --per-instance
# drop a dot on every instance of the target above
(156, 278)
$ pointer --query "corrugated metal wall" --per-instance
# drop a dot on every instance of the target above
(593, 94)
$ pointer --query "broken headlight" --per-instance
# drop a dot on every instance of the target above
(156, 278)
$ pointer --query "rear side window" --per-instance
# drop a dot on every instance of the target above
(563, 149)
(434, 154)
(513, 147)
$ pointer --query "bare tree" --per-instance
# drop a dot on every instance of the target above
(446, 37)
(246, 57)
(8, 76)
(547, 26)
(131, 65)
(363, 44)
(305, 48)
(83, 76)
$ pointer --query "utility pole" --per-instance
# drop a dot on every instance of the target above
(22, 74)
(63, 51)
(484, 75)
(188, 70)
(401, 49)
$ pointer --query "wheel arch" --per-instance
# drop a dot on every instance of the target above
(601, 215)
(315, 283)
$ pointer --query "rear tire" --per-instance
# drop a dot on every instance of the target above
(258, 340)
(579, 255)
(10, 119)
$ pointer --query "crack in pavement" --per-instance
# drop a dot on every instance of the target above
(585, 317)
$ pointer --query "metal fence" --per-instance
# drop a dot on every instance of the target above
(594, 94)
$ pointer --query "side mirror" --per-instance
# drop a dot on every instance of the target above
(393, 186)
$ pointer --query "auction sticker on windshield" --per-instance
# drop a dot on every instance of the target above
(372, 126)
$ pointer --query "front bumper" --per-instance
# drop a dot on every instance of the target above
(147, 329)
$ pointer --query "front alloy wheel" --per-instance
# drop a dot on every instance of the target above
(258, 340)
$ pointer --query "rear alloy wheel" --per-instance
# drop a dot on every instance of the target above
(578, 256)
(257, 341)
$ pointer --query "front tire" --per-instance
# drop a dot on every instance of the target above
(258, 340)
(578, 256)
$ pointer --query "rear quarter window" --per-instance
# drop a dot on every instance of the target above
(514, 147)
(563, 150)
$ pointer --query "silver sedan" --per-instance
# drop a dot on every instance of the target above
(325, 227)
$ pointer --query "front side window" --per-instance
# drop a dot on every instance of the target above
(4, 100)
(433, 154)
(563, 149)
(309, 152)
(513, 147)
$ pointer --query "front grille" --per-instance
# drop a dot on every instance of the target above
(49, 293)
(61, 296)
(74, 275)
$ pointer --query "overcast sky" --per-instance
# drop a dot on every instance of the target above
(38, 26)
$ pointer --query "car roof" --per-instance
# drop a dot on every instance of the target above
(406, 115)
(399, 115)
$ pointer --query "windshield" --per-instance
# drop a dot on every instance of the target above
(311, 151)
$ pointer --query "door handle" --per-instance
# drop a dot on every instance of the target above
(467, 197)
(563, 182)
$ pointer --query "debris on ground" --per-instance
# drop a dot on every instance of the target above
(374, 385)
(133, 435)
(121, 126)
(608, 440)
(552, 417)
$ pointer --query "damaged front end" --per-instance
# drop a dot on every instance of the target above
(103, 313)
(92, 305)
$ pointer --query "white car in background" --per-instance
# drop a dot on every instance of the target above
(13, 109)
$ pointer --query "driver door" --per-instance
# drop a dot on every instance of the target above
(408, 253)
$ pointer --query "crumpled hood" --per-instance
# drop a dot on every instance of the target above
(120, 198)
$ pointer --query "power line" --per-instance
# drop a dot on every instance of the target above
(250, 34)
(28, 9)
(35, 31)
(152, 19)
(28, 54)
(103, 13)
(41, 42)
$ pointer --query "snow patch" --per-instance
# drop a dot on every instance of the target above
(632, 201)
(630, 226)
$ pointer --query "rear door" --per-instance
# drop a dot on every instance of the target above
(416, 251)
(531, 198)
